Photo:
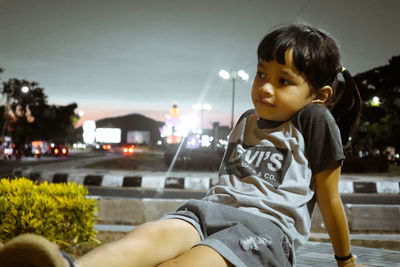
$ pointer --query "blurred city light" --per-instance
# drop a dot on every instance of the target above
(201, 108)
(223, 142)
(224, 74)
(173, 129)
(80, 146)
(89, 132)
(242, 74)
(106, 147)
(108, 135)
(375, 102)
(206, 141)
(193, 142)
(128, 149)
(25, 89)
(189, 123)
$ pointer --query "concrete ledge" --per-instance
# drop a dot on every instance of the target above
(375, 217)
(134, 211)
(365, 217)
(151, 181)
(138, 211)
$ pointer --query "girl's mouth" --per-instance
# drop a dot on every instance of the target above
(264, 101)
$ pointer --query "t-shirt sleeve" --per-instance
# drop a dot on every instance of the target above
(321, 136)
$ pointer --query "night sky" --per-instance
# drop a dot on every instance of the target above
(118, 57)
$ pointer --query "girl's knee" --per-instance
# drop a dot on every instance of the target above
(148, 229)
(166, 229)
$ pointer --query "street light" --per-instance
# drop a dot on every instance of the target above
(375, 102)
(233, 76)
(201, 108)
(25, 89)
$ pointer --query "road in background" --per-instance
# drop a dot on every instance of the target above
(73, 160)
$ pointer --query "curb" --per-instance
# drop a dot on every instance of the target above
(154, 181)
(148, 181)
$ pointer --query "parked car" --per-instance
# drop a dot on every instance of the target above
(128, 149)
(40, 148)
(59, 150)
(106, 147)
(6, 148)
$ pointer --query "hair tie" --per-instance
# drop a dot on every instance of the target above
(341, 70)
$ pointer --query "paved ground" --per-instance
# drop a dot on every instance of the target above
(319, 254)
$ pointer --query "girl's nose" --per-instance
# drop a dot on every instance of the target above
(267, 89)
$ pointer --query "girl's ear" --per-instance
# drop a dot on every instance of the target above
(322, 95)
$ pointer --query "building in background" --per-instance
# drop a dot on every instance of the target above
(138, 137)
(173, 130)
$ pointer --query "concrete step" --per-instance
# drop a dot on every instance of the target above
(127, 211)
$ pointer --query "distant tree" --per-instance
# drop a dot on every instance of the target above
(21, 106)
(2, 119)
(384, 83)
(30, 117)
(57, 123)
(380, 123)
(1, 110)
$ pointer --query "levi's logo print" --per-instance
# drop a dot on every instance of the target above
(267, 163)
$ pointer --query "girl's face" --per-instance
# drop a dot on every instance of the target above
(279, 91)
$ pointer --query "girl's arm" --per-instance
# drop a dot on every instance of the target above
(332, 211)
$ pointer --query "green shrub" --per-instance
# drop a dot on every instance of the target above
(59, 212)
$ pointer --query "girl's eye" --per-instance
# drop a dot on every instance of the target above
(284, 82)
(260, 74)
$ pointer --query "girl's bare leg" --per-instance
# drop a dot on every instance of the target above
(199, 256)
(148, 245)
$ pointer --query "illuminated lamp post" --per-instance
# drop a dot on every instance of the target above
(233, 76)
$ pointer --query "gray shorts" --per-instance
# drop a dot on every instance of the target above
(241, 237)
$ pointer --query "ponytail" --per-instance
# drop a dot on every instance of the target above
(347, 106)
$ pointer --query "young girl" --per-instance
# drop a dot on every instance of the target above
(282, 157)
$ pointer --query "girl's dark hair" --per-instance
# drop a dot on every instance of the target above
(316, 56)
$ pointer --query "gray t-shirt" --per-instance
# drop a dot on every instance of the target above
(268, 167)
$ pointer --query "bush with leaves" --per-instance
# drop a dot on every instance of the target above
(59, 212)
